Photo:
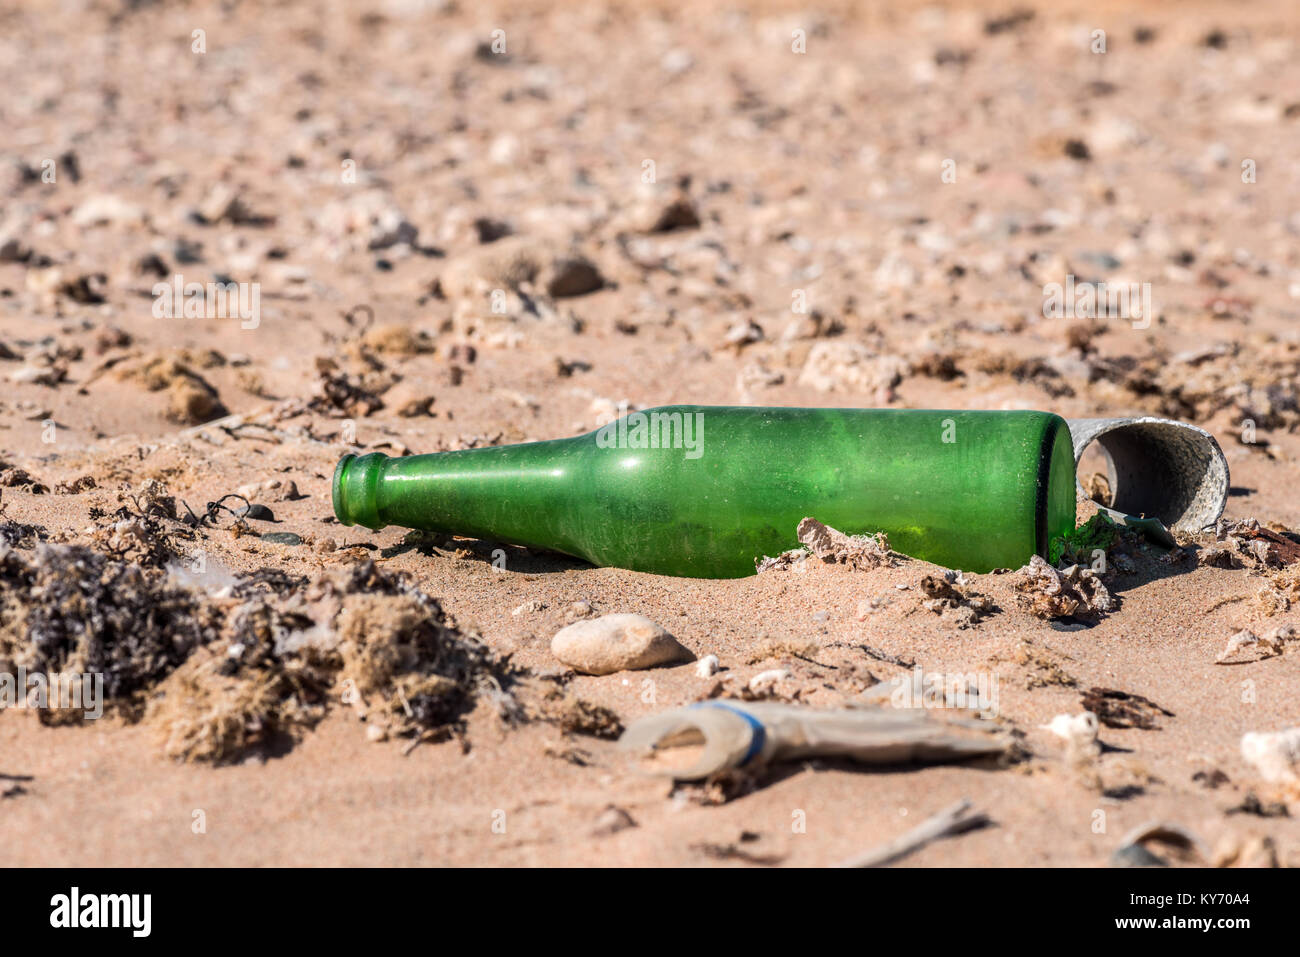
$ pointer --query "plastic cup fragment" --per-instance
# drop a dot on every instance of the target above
(695, 742)
(1158, 469)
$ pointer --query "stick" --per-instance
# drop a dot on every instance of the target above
(947, 823)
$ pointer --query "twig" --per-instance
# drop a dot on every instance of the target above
(219, 505)
(887, 657)
(1224, 601)
(420, 738)
(949, 822)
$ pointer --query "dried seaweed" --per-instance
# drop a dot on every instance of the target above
(1077, 546)
(1122, 709)
(69, 608)
(233, 673)
(574, 715)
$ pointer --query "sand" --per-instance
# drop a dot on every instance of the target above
(813, 175)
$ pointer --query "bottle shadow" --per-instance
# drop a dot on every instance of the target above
(517, 559)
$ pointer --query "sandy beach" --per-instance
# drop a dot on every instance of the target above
(454, 225)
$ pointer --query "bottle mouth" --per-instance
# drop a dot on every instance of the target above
(1055, 506)
(354, 490)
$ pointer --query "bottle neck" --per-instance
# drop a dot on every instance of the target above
(516, 493)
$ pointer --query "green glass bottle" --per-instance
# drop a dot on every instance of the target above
(703, 491)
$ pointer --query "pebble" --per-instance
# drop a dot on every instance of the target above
(842, 366)
(707, 666)
(765, 679)
(572, 276)
(107, 209)
(256, 512)
(612, 820)
(408, 400)
(282, 538)
(678, 214)
(611, 643)
(278, 490)
(581, 608)
(1135, 855)
(13, 250)
(1275, 755)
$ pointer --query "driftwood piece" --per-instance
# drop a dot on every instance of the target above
(951, 821)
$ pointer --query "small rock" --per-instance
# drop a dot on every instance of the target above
(151, 264)
(1270, 644)
(1076, 149)
(505, 264)
(841, 366)
(707, 666)
(602, 646)
(1275, 755)
(1135, 855)
(678, 214)
(572, 276)
(39, 375)
(398, 339)
(1079, 732)
(392, 230)
(13, 250)
(766, 679)
(579, 609)
(490, 230)
(288, 492)
(256, 512)
(408, 400)
(282, 538)
(225, 203)
(866, 608)
(612, 820)
(107, 210)
(740, 334)
(1253, 850)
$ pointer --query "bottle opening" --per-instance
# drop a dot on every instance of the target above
(1056, 485)
(354, 490)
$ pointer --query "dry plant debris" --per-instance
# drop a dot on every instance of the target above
(1122, 709)
(1249, 542)
(859, 552)
(948, 595)
(1269, 645)
(221, 673)
(1076, 591)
